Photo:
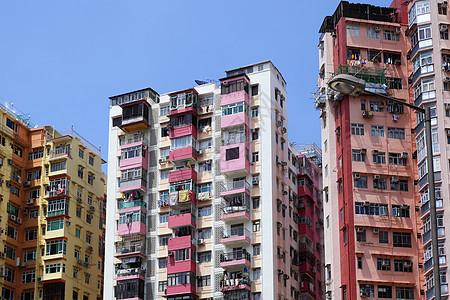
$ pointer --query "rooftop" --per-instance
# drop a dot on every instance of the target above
(15, 113)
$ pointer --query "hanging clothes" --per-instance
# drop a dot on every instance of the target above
(173, 198)
(183, 196)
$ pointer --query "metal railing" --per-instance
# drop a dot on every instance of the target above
(60, 151)
(132, 182)
(234, 232)
(235, 185)
(131, 248)
(131, 271)
(235, 255)
(240, 137)
(123, 205)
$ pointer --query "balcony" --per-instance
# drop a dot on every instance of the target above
(429, 263)
(183, 220)
(128, 139)
(123, 274)
(236, 209)
(135, 162)
(185, 174)
(59, 152)
(235, 97)
(234, 160)
(235, 187)
(136, 249)
(239, 137)
(182, 289)
(236, 119)
(182, 197)
(180, 242)
(132, 228)
(130, 204)
(427, 235)
(178, 131)
(123, 290)
(236, 237)
(431, 292)
(135, 116)
(133, 184)
(236, 260)
(426, 206)
(188, 153)
(229, 285)
(58, 192)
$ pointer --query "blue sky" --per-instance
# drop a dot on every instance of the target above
(60, 60)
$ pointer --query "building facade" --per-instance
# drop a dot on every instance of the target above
(372, 208)
(199, 174)
(53, 209)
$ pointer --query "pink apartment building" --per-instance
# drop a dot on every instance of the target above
(212, 170)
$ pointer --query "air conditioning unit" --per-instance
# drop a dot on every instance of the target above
(161, 160)
(255, 181)
(278, 123)
(375, 230)
(280, 272)
(30, 201)
(67, 222)
(375, 152)
(39, 279)
(405, 154)
(23, 264)
(366, 203)
(446, 79)
(200, 241)
(285, 192)
(398, 29)
(364, 294)
(377, 29)
(395, 179)
(359, 230)
(407, 263)
(13, 217)
(443, 28)
(200, 152)
(283, 163)
(363, 151)
(367, 114)
(19, 220)
(313, 269)
(170, 253)
(404, 206)
(356, 176)
(10, 162)
(208, 161)
(86, 264)
(376, 177)
(27, 183)
(79, 261)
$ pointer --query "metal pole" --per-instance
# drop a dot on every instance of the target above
(432, 195)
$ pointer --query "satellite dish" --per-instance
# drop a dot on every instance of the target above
(200, 82)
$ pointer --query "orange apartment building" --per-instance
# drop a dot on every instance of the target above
(373, 228)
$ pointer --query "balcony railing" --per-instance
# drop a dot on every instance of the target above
(125, 140)
(238, 138)
(230, 207)
(131, 271)
(131, 248)
(133, 182)
(60, 151)
(135, 203)
(236, 185)
(58, 192)
(235, 255)
(234, 284)
(235, 232)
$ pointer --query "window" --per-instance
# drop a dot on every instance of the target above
(391, 35)
(203, 145)
(10, 124)
(383, 264)
(78, 212)
(164, 174)
(379, 182)
(57, 166)
(352, 30)
(204, 233)
(358, 155)
(25, 296)
(367, 290)
(442, 9)
(394, 83)
(399, 185)
(373, 33)
(255, 202)
(164, 240)
(30, 235)
(359, 262)
(33, 175)
(163, 218)
(360, 234)
(10, 252)
(78, 232)
(378, 157)
(400, 211)
(403, 265)
(56, 247)
(377, 130)
(35, 154)
(398, 159)
(235, 108)
(204, 211)
(232, 153)
(88, 238)
(401, 239)
(55, 224)
(256, 226)
(180, 278)
(164, 110)
(9, 275)
(396, 133)
(444, 34)
(357, 129)
(402, 292)
(255, 156)
(374, 56)
(90, 179)
(204, 281)
(353, 54)
(255, 112)
(359, 181)
(204, 167)
(182, 254)
(255, 134)
(11, 232)
(162, 286)
(76, 253)
(392, 58)
(385, 291)
(383, 237)
(28, 276)
(58, 207)
(372, 209)
(204, 257)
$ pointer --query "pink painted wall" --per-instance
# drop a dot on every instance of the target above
(133, 145)
(234, 119)
(240, 163)
(234, 215)
(183, 131)
(234, 262)
(183, 110)
(181, 289)
(134, 187)
(185, 174)
(182, 242)
(180, 266)
(181, 220)
(135, 227)
(238, 191)
(235, 239)
(135, 162)
(129, 209)
(182, 154)
(237, 287)
(135, 276)
(234, 98)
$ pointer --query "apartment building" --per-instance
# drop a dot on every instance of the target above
(199, 174)
(52, 197)
(372, 208)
